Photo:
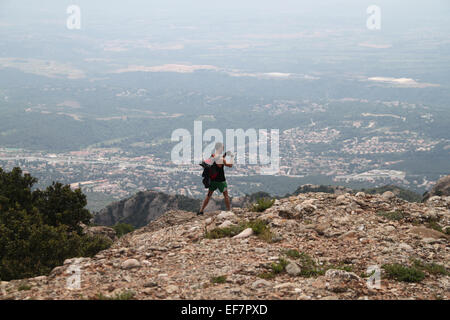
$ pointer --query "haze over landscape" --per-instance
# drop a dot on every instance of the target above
(96, 107)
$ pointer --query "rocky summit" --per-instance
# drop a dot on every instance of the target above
(308, 246)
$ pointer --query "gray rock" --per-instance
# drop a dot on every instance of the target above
(404, 246)
(349, 235)
(388, 195)
(293, 269)
(288, 213)
(225, 214)
(226, 224)
(172, 289)
(130, 264)
(322, 227)
(342, 199)
(244, 234)
(261, 283)
(340, 275)
(39, 278)
(305, 208)
(57, 271)
(150, 284)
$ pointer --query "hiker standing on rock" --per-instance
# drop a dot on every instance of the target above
(215, 176)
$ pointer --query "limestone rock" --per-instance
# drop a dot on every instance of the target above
(293, 269)
(225, 215)
(244, 234)
(261, 283)
(226, 224)
(130, 264)
(388, 195)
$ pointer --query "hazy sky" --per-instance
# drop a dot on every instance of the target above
(399, 12)
(282, 35)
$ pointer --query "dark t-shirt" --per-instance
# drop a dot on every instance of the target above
(220, 173)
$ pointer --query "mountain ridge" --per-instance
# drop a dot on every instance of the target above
(145, 206)
(309, 246)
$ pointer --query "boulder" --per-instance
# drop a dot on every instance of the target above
(225, 215)
(293, 269)
(388, 195)
(321, 227)
(172, 289)
(352, 234)
(226, 224)
(261, 283)
(342, 199)
(244, 234)
(130, 264)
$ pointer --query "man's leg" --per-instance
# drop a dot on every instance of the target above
(205, 202)
(227, 200)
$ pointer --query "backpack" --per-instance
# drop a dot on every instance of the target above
(210, 172)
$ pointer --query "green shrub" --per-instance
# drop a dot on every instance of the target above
(219, 279)
(292, 253)
(24, 287)
(267, 275)
(91, 245)
(403, 273)
(122, 228)
(431, 268)
(309, 267)
(280, 266)
(218, 233)
(262, 204)
(435, 226)
(259, 227)
(40, 229)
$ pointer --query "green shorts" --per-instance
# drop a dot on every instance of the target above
(222, 186)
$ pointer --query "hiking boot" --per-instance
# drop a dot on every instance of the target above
(200, 213)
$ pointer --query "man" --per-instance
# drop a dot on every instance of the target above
(218, 181)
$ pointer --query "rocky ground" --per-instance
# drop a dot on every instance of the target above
(341, 234)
